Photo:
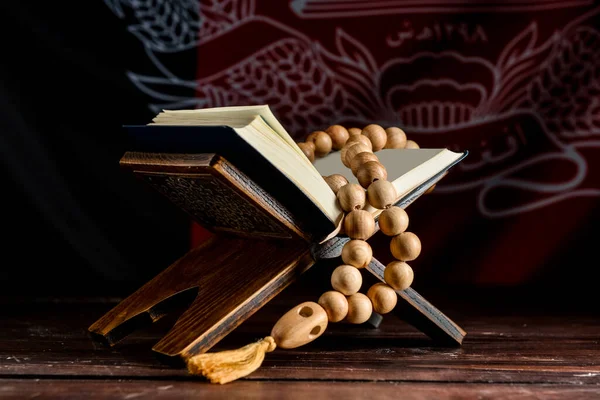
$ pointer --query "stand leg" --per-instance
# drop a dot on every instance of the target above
(421, 314)
(412, 307)
(229, 279)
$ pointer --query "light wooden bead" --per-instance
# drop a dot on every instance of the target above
(383, 297)
(381, 194)
(393, 221)
(405, 246)
(357, 253)
(360, 159)
(359, 224)
(411, 144)
(370, 172)
(396, 138)
(339, 136)
(299, 326)
(308, 149)
(335, 305)
(322, 141)
(311, 138)
(360, 139)
(354, 131)
(399, 275)
(346, 279)
(376, 135)
(344, 151)
(353, 151)
(359, 309)
(351, 197)
(336, 181)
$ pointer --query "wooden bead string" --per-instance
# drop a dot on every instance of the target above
(307, 321)
(357, 151)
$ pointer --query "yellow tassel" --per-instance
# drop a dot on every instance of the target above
(227, 366)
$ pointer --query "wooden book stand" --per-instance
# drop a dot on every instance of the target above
(257, 251)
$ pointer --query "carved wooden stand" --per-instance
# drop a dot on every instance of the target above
(227, 279)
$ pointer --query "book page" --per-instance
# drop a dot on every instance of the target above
(397, 162)
(234, 116)
(406, 168)
(268, 137)
(306, 177)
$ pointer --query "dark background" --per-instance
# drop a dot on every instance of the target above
(75, 224)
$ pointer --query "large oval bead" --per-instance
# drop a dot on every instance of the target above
(299, 326)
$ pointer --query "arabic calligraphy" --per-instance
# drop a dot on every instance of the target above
(438, 32)
(502, 142)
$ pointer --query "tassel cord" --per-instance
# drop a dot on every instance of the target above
(226, 366)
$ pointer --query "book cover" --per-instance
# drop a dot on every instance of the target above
(224, 141)
(215, 194)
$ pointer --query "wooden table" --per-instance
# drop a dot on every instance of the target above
(513, 350)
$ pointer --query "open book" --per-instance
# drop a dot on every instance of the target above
(253, 140)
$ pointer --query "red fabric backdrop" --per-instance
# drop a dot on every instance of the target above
(516, 83)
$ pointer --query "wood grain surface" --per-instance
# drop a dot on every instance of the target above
(215, 194)
(224, 281)
(131, 389)
(514, 350)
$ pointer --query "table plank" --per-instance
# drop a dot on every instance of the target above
(48, 340)
(166, 389)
